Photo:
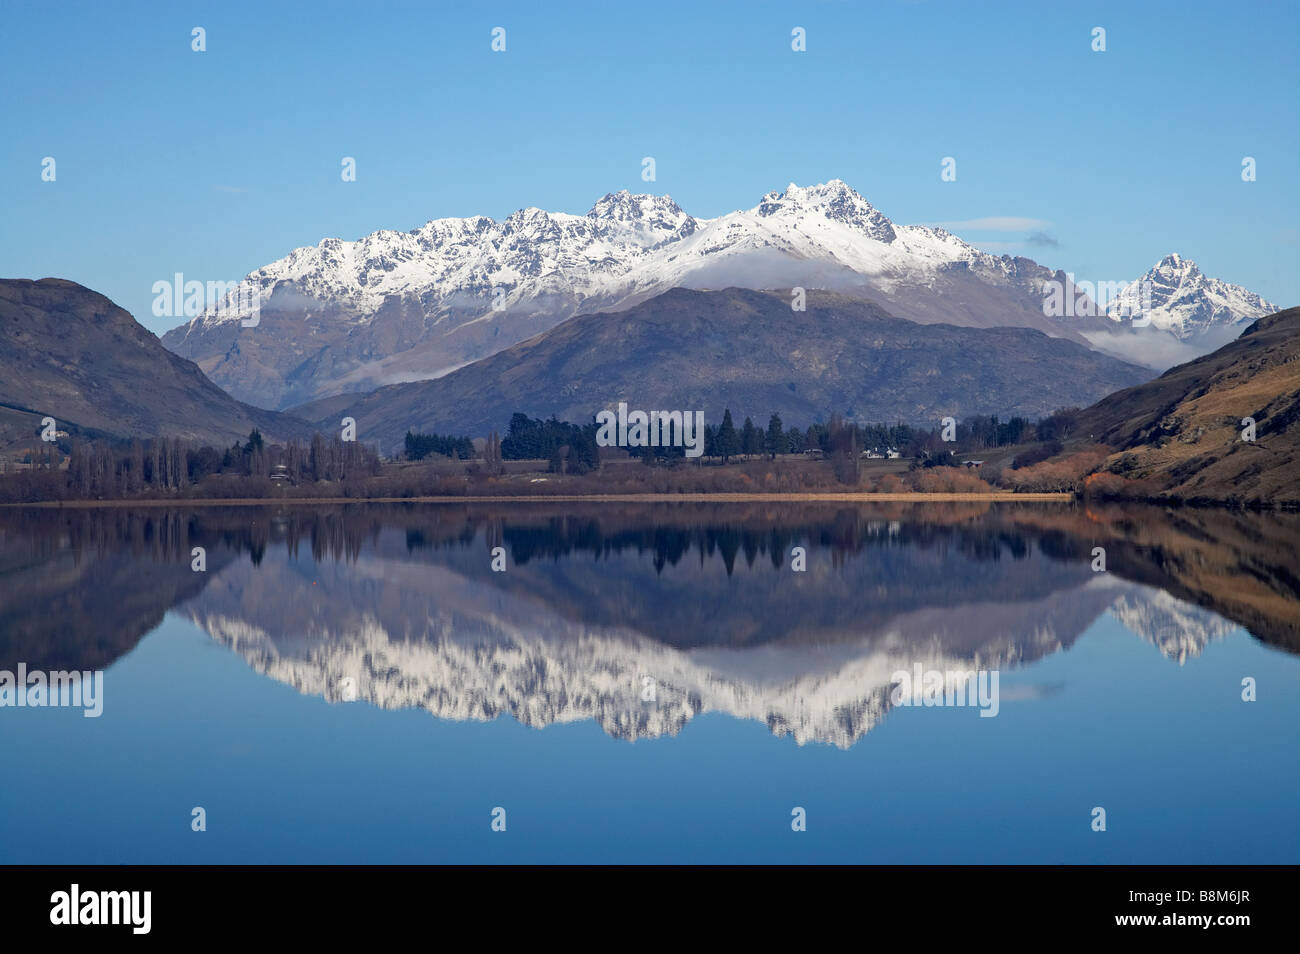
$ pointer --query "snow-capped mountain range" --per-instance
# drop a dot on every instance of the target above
(400, 306)
(626, 247)
(1184, 301)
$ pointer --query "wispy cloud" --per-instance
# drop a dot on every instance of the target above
(995, 223)
(1042, 240)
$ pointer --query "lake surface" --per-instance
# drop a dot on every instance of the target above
(652, 683)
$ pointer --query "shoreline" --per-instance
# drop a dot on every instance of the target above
(913, 497)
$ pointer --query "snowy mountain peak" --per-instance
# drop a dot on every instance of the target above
(834, 200)
(528, 216)
(1179, 298)
(651, 219)
(625, 206)
(1176, 269)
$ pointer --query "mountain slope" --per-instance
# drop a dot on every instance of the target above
(403, 306)
(1183, 431)
(70, 353)
(747, 350)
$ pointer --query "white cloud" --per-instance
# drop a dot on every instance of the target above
(1001, 246)
(995, 223)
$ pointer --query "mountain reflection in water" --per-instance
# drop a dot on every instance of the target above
(398, 605)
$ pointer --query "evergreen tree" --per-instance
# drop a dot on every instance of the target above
(535, 439)
(419, 446)
(775, 441)
(728, 439)
(750, 441)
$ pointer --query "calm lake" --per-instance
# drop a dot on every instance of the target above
(652, 683)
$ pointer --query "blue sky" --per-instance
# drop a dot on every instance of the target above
(215, 163)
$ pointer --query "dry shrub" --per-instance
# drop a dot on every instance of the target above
(1105, 485)
(1058, 474)
(948, 480)
(891, 484)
